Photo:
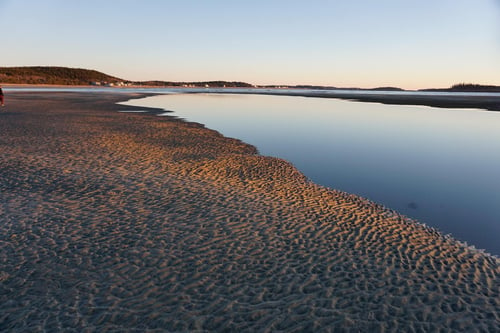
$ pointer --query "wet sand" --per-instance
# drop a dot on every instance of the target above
(452, 100)
(491, 103)
(118, 221)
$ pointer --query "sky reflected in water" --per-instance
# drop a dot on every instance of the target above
(440, 166)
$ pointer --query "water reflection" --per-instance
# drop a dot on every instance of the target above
(439, 166)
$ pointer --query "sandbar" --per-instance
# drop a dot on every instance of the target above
(458, 100)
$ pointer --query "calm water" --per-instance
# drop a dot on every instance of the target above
(440, 166)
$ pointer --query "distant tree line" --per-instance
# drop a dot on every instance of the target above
(79, 76)
(468, 87)
(474, 87)
(53, 75)
(212, 84)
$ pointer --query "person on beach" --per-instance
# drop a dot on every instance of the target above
(1, 97)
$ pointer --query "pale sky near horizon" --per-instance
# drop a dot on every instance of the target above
(344, 43)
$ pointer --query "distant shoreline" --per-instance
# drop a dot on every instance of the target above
(443, 99)
(491, 103)
(66, 76)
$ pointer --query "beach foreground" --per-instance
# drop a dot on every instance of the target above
(116, 221)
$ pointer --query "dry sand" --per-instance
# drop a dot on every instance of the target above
(130, 222)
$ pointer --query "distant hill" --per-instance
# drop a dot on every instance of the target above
(351, 88)
(468, 87)
(387, 89)
(79, 76)
(54, 75)
(213, 84)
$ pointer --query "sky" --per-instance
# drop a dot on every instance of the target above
(345, 43)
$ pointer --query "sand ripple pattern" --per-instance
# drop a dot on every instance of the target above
(115, 222)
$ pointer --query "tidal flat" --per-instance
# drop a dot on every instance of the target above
(124, 221)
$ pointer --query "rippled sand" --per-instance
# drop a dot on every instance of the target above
(130, 222)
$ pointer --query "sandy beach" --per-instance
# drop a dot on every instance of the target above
(128, 222)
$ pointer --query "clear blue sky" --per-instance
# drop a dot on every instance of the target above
(410, 44)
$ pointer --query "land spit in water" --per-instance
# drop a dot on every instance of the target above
(440, 99)
(119, 221)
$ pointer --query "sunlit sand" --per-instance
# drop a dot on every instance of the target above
(113, 221)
